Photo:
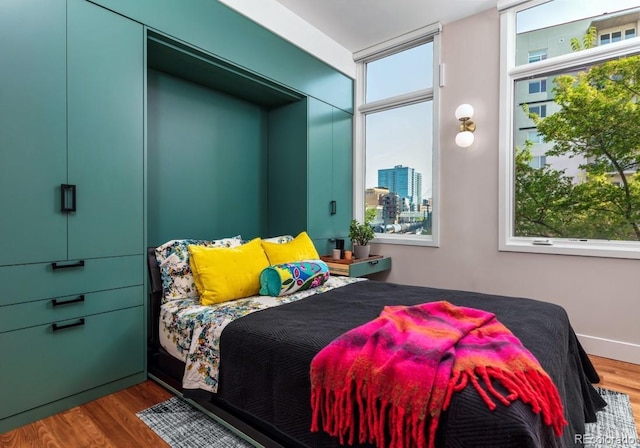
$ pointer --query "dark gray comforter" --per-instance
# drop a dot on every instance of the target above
(265, 359)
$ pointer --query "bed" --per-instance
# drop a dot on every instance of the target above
(262, 384)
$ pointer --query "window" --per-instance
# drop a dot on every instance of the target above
(540, 111)
(537, 55)
(538, 162)
(616, 36)
(569, 166)
(538, 86)
(534, 137)
(396, 139)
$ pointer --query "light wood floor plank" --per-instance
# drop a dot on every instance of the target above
(111, 421)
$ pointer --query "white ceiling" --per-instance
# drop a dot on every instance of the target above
(358, 24)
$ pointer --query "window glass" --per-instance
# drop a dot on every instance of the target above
(399, 143)
(534, 137)
(538, 86)
(399, 169)
(575, 158)
(538, 162)
(540, 111)
(400, 73)
(538, 55)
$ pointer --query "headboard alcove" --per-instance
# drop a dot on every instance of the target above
(208, 127)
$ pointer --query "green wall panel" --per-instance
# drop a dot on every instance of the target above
(342, 172)
(320, 166)
(105, 131)
(213, 27)
(288, 169)
(206, 161)
(32, 130)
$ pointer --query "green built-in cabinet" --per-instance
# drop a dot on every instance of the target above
(124, 124)
(310, 171)
(72, 228)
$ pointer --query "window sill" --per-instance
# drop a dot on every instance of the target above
(406, 240)
(583, 248)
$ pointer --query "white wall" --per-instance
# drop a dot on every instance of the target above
(281, 21)
(601, 296)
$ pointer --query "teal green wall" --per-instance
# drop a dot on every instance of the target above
(207, 162)
(217, 29)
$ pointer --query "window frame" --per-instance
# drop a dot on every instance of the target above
(510, 73)
(429, 33)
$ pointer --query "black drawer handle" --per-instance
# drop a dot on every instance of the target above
(333, 207)
(57, 266)
(56, 327)
(80, 298)
(65, 189)
(374, 262)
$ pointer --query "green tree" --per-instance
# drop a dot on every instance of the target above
(598, 123)
(370, 214)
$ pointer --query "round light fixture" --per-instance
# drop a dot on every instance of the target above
(464, 139)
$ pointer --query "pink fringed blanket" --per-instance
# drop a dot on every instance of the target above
(398, 372)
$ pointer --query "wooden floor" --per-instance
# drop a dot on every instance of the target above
(111, 421)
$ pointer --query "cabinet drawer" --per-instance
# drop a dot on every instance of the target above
(40, 312)
(362, 268)
(39, 281)
(42, 365)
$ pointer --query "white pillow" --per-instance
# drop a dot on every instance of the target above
(279, 239)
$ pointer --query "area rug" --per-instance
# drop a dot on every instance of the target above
(616, 427)
(183, 426)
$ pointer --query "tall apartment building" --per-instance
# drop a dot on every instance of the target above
(404, 181)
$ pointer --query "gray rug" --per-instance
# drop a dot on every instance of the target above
(616, 427)
(183, 426)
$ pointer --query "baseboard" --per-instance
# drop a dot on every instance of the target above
(609, 348)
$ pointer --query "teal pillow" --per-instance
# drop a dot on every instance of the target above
(287, 278)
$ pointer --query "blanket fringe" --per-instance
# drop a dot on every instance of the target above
(386, 424)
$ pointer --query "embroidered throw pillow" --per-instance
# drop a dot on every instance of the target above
(288, 278)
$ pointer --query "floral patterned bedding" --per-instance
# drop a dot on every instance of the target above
(191, 332)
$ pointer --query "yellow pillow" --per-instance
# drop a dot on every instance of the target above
(299, 249)
(227, 273)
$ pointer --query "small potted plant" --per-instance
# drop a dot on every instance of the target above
(360, 235)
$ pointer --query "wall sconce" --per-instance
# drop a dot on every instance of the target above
(464, 113)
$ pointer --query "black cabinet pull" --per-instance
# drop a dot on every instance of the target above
(333, 207)
(80, 298)
(56, 266)
(56, 327)
(374, 262)
(64, 190)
